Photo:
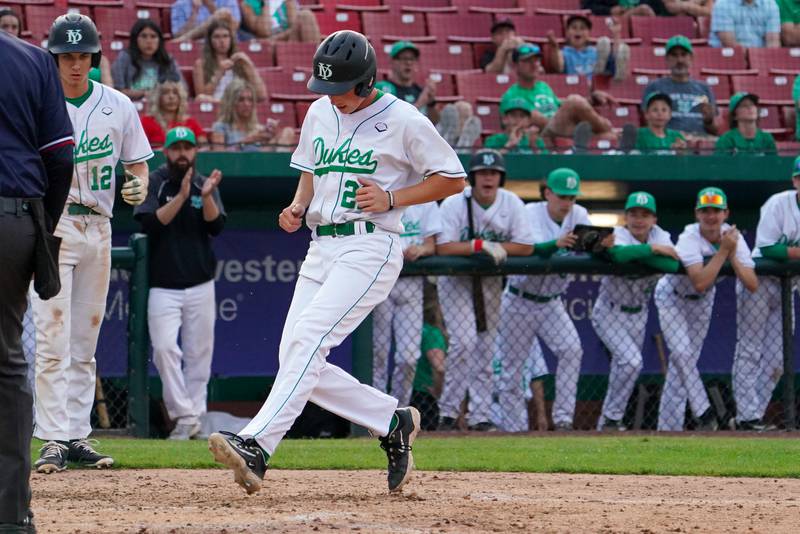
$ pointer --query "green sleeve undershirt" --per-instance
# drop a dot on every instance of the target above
(546, 249)
(628, 253)
(776, 252)
(665, 264)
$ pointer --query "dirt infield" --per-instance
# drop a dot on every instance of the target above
(168, 500)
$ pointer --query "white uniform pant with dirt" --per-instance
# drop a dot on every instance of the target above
(758, 361)
(67, 328)
(342, 279)
(185, 368)
(622, 332)
(523, 320)
(398, 319)
(685, 325)
(468, 367)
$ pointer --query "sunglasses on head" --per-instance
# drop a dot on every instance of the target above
(713, 199)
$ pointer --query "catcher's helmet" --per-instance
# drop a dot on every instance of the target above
(74, 32)
(487, 158)
(345, 60)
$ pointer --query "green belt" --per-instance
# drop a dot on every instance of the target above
(80, 209)
(627, 309)
(529, 296)
(344, 229)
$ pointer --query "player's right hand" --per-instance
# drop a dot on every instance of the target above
(567, 240)
(291, 218)
(496, 251)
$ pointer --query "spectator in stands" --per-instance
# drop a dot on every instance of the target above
(747, 23)
(279, 20)
(191, 18)
(505, 40)
(796, 98)
(221, 63)
(519, 134)
(790, 22)
(625, 8)
(429, 376)
(579, 57)
(10, 22)
(237, 127)
(553, 117)
(145, 63)
(402, 84)
(692, 8)
(166, 110)
(656, 137)
(745, 137)
(102, 74)
(694, 107)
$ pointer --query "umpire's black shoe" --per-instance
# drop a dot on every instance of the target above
(243, 455)
(23, 527)
(52, 457)
(81, 452)
(447, 424)
(754, 425)
(398, 447)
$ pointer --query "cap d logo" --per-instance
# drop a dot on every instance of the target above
(488, 159)
(641, 199)
(324, 71)
(572, 183)
(180, 133)
(74, 36)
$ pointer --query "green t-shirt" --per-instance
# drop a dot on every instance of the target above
(796, 98)
(541, 96)
(647, 141)
(432, 338)
(790, 11)
(499, 141)
(732, 141)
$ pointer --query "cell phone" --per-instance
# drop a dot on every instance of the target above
(590, 237)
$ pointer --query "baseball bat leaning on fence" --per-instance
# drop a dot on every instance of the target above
(100, 403)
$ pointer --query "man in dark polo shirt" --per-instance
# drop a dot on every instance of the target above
(181, 213)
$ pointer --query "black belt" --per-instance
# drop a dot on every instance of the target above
(15, 206)
(688, 297)
(541, 299)
(80, 209)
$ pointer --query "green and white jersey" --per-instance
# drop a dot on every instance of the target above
(419, 222)
(107, 131)
(389, 142)
(503, 222)
(779, 223)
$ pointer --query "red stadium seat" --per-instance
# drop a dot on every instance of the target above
(718, 59)
(291, 55)
(649, 28)
(770, 89)
(39, 18)
(154, 3)
(260, 51)
(720, 85)
(302, 109)
(377, 25)
(203, 112)
(470, 27)
(396, 5)
(464, 5)
(188, 77)
(621, 115)
(489, 113)
(445, 86)
(648, 57)
(475, 86)
(536, 28)
(446, 57)
(186, 52)
(630, 91)
(564, 85)
(286, 85)
(113, 21)
(330, 22)
(766, 60)
(283, 112)
(788, 117)
(561, 5)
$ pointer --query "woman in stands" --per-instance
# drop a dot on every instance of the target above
(221, 64)
(167, 109)
(238, 128)
(145, 63)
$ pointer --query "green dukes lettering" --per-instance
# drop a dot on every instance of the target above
(342, 159)
(411, 228)
(94, 148)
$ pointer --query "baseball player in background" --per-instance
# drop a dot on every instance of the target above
(398, 319)
(758, 361)
(362, 157)
(685, 303)
(107, 131)
(485, 219)
(532, 307)
(620, 312)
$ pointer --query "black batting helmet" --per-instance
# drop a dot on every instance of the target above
(74, 32)
(487, 158)
(345, 60)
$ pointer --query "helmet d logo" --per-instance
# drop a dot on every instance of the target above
(324, 71)
(74, 36)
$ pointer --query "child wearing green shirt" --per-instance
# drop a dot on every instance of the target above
(519, 133)
(745, 137)
(656, 138)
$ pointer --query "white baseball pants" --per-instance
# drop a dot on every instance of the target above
(185, 368)
(342, 279)
(67, 328)
(398, 319)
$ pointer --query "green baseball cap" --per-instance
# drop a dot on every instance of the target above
(508, 104)
(681, 41)
(657, 96)
(712, 197)
(399, 46)
(564, 181)
(796, 167)
(180, 133)
(524, 51)
(641, 199)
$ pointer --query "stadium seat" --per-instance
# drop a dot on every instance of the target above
(770, 89)
(445, 85)
(377, 25)
(154, 3)
(719, 60)
(260, 51)
(788, 117)
(203, 112)
(330, 22)
(489, 113)
(720, 85)
(621, 115)
(648, 57)
(446, 57)
(301, 109)
(286, 85)
(283, 112)
(465, 5)
(766, 60)
(39, 18)
(475, 86)
(560, 5)
(473, 27)
(564, 85)
(789, 148)
(291, 55)
(396, 6)
(117, 21)
(649, 28)
(187, 73)
(536, 28)
(185, 52)
(630, 91)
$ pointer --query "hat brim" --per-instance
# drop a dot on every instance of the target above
(412, 48)
(315, 85)
(565, 192)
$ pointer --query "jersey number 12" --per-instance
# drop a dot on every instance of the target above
(102, 182)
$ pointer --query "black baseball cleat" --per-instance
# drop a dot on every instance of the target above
(398, 447)
(708, 421)
(612, 425)
(243, 455)
(52, 457)
(447, 424)
(754, 425)
(483, 426)
(81, 452)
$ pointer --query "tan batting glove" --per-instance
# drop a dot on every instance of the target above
(134, 190)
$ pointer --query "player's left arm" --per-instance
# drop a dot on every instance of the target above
(371, 198)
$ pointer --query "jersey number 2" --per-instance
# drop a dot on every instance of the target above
(104, 181)
(349, 195)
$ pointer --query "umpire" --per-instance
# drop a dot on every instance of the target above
(35, 174)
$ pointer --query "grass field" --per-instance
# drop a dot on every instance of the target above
(652, 455)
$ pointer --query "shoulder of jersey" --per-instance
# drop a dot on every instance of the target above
(580, 210)
(777, 197)
(114, 96)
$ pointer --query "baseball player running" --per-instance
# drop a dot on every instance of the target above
(362, 156)
(532, 307)
(685, 304)
(486, 219)
(758, 361)
(398, 319)
(620, 312)
(107, 131)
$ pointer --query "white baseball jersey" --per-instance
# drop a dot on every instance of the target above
(546, 229)
(779, 223)
(389, 142)
(419, 222)
(107, 130)
(635, 291)
(693, 248)
(504, 221)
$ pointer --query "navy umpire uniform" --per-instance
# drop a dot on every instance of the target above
(36, 144)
